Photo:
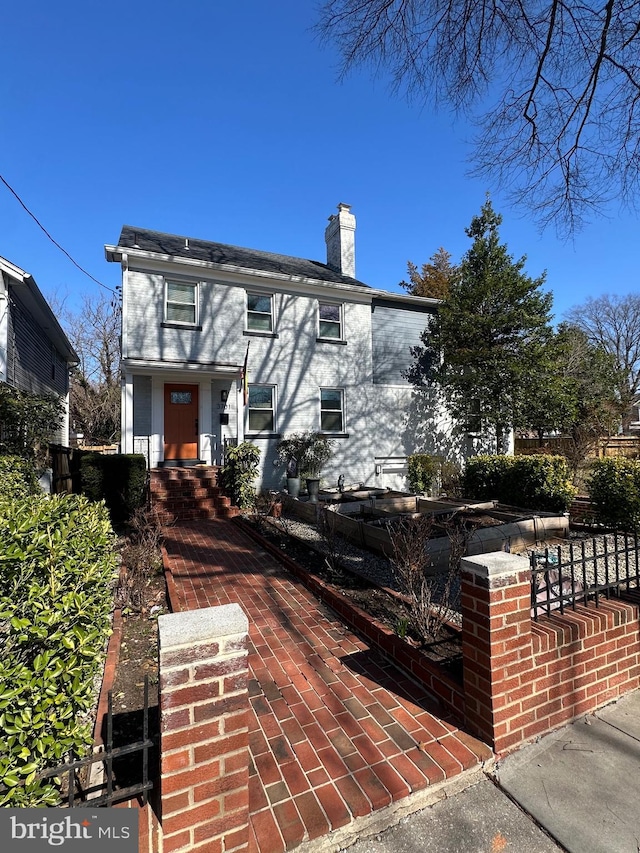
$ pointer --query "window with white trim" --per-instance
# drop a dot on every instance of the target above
(261, 408)
(259, 312)
(181, 303)
(331, 410)
(330, 321)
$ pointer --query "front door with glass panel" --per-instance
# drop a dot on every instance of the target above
(181, 422)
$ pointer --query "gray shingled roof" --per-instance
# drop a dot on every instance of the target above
(220, 253)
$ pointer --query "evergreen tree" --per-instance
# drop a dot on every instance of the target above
(487, 340)
(574, 393)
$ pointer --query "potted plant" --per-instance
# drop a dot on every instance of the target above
(318, 449)
(289, 453)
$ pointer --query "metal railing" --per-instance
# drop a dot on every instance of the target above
(107, 789)
(583, 573)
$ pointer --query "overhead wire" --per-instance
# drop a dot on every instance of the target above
(55, 242)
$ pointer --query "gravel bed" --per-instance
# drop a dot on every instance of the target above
(372, 567)
(599, 553)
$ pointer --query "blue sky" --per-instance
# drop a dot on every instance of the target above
(225, 121)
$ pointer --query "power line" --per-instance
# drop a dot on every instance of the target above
(55, 242)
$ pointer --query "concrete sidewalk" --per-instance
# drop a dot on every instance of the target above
(577, 787)
(583, 782)
(480, 819)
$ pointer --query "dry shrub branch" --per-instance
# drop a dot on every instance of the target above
(432, 595)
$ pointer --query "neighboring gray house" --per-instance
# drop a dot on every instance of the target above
(323, 351)
(35, 354)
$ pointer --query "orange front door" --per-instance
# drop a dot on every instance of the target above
(181, 422)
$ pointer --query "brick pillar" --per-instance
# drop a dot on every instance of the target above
(204, 737)
(497, 645)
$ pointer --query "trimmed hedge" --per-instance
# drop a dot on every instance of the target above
(57, 562)
(614, 488)
(119, 479)
(17, 478)
(531, 482)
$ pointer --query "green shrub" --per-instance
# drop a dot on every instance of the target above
(484, 475)
(531, 482)
(17, 478)
(614, 488)
(29, 422)
(238, 475)
(422, 470)
(57, 563)
(119, 480)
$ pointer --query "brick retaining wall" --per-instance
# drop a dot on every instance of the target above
(522, 678)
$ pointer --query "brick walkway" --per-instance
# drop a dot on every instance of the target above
(336, 731)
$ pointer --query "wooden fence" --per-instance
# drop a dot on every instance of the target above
(617, 445)
(61, 480)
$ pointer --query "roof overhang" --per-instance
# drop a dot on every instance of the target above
(28, 293)
(143, 366)
(122, 254)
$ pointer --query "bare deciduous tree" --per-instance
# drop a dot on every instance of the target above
(554, 88)
(613, 324)
(94, 332)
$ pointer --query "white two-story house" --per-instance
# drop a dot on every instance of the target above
(221, 343)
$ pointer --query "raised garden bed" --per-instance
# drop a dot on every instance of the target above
(490, 526)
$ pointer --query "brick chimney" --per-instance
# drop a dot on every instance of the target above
(340, 237)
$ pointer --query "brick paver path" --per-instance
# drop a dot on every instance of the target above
(336, 731)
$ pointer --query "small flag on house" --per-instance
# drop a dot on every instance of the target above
(245, 377)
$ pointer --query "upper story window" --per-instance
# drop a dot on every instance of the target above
(181, 303)
(261, 408)
(331, 410)
(474, 416)
(259, 312)
(329, 321)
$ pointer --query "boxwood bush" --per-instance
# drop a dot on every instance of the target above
(57, 563)
(532, 482)
(118, 479)
(614, 488)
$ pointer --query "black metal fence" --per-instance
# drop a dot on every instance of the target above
(583, 573)
(119, 778)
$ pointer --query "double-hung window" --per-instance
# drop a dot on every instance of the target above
(181, 303)
(259, 312)
(331, 410)
(474, 416)
(329, 321)
(261, 407)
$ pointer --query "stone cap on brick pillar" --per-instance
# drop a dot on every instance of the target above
(198, 626)
(498, 568)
